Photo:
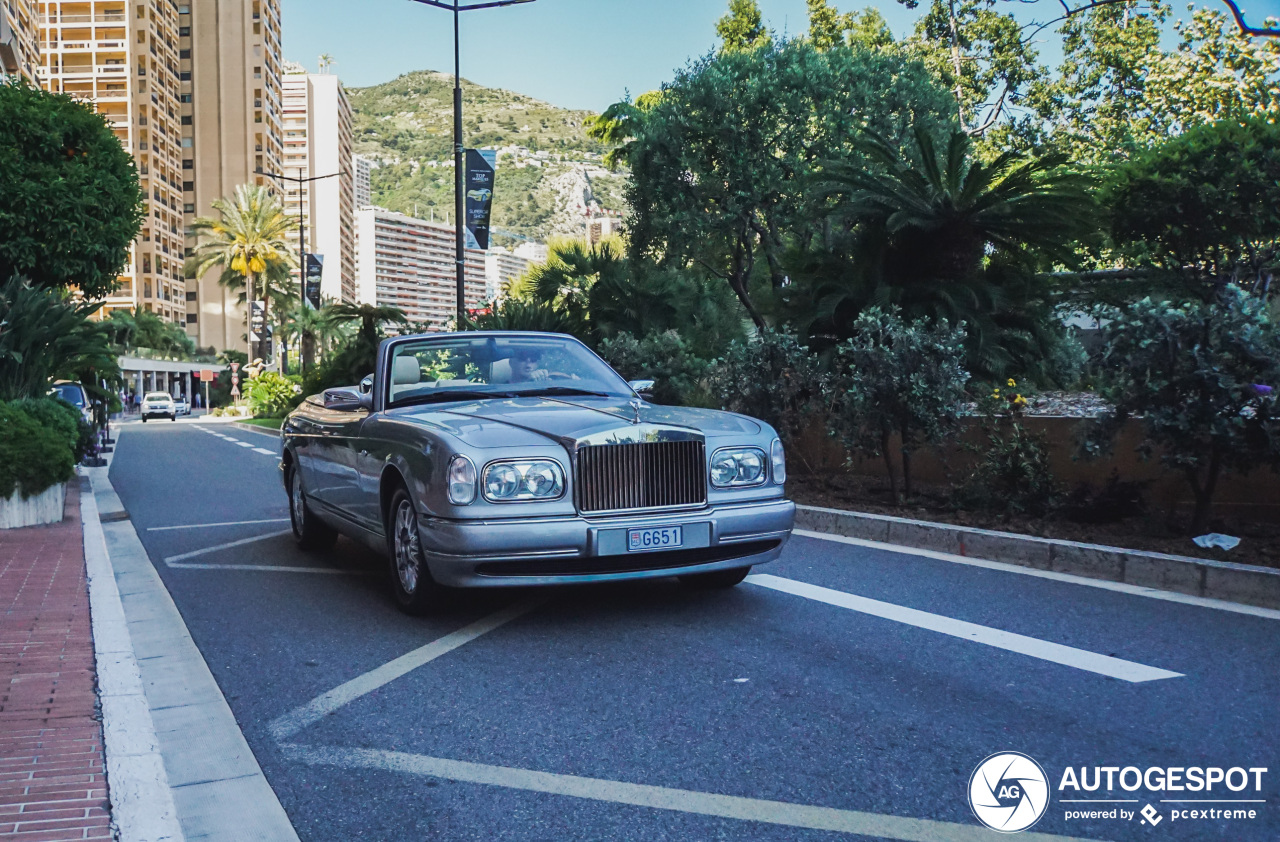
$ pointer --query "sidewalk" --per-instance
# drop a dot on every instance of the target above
(52, 785)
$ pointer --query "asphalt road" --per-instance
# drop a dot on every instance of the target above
(624, 711)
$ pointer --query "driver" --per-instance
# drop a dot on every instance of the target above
(524, 366)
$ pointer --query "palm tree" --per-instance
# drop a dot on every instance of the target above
(943, 235)
(942, 215)
(313, 329)
(371, 318)
(247, 239)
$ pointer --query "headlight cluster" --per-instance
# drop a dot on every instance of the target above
(531, 479)
(737, 466)
(461, 479)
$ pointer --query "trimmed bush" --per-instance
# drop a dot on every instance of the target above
(271, 395)
(62, 417)
(664, 358)
(33, 456)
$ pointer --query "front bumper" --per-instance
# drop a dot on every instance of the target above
(553, 551)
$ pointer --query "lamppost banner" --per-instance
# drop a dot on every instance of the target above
(481, 165)
(315, 270)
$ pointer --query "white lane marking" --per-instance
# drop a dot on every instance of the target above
(878, 825)
(1119, 587)
(1042, 649)
(286, 726)
(224, 523)
(227, 546)
(243, 443)
(264, 451)
(270, 568)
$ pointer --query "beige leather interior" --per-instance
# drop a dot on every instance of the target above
(405, 371)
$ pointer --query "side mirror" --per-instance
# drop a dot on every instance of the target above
(345, 400)
(643, 388)
(366, 385)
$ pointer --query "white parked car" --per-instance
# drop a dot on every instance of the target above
(180, 404)
(159, 405)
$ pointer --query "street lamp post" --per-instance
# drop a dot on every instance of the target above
(459, 205)
(302, 235)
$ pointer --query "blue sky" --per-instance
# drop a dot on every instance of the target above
(572, 53)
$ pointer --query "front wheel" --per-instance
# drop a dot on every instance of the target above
(144, 419)
(716, 579)
(310, 532)
(173, 417)
(411, 583)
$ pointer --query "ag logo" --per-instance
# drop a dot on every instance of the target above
(1008, 792)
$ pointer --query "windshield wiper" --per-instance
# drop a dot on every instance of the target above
(452, 395)
(561, 391)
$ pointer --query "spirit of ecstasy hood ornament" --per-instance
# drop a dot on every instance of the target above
(636, 406)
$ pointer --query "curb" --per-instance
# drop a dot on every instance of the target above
(275, 434)
(1201, 577)
(142, 807)
(210, 778)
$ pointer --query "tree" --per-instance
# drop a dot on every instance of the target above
(742, 27)
(371, 318)
(1201, 378)
(1119, 91)
(247, 240)
(902, 378)
(311, 329)
(720, 165)
(71, 202)
(1205, 205)
(943, 235)
(46, 334)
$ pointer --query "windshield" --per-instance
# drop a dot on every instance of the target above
(480, 366)
(71, 393)
(157, 396)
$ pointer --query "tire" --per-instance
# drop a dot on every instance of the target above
(173, 417)
(716, 579)
(144, 419)
(309, 531)
(411, 583)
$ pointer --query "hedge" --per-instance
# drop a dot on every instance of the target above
(34, 455)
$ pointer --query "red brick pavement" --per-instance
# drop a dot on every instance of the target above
(52, 785)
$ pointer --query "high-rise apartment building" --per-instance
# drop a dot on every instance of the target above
(501, 268)
(123, 58)
(230, 91)
(317, 142)
(364, 181)
(19, 40)
(408, 263)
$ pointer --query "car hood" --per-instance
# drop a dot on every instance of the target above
(515, 422)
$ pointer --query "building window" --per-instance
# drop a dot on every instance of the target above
(188, 165)
(188, 186)
(184, 32)
(191, 318)
(188, 208)
(186, 120)
(185, 98)
(184, 54)
(191, 296)
(184, 9)
(184, 76)
(186, 143)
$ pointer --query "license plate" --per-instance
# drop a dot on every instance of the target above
(655, 538)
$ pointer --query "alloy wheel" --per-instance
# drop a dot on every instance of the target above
(408, 548)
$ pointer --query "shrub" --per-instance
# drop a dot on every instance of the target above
(664, 358)
(62, 418)
(773, 378)
(271, 394)
(1012, 474)
(899, 377)
(1202, 378)
(33, 456)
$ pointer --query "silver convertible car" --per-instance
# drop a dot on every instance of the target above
(488, 458)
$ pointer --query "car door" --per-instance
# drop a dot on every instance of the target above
(330, 468)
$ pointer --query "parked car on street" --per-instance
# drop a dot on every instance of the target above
(159, 405)
(181, 406)
(504, 458)
(74, 394)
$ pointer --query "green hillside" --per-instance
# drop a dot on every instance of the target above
(407, 125)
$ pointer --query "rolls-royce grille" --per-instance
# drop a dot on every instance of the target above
(650, 475)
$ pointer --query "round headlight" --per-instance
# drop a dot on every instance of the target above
(501, 482)
(540, 481)
(461, 481)
(750, 467)
(723, 469)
